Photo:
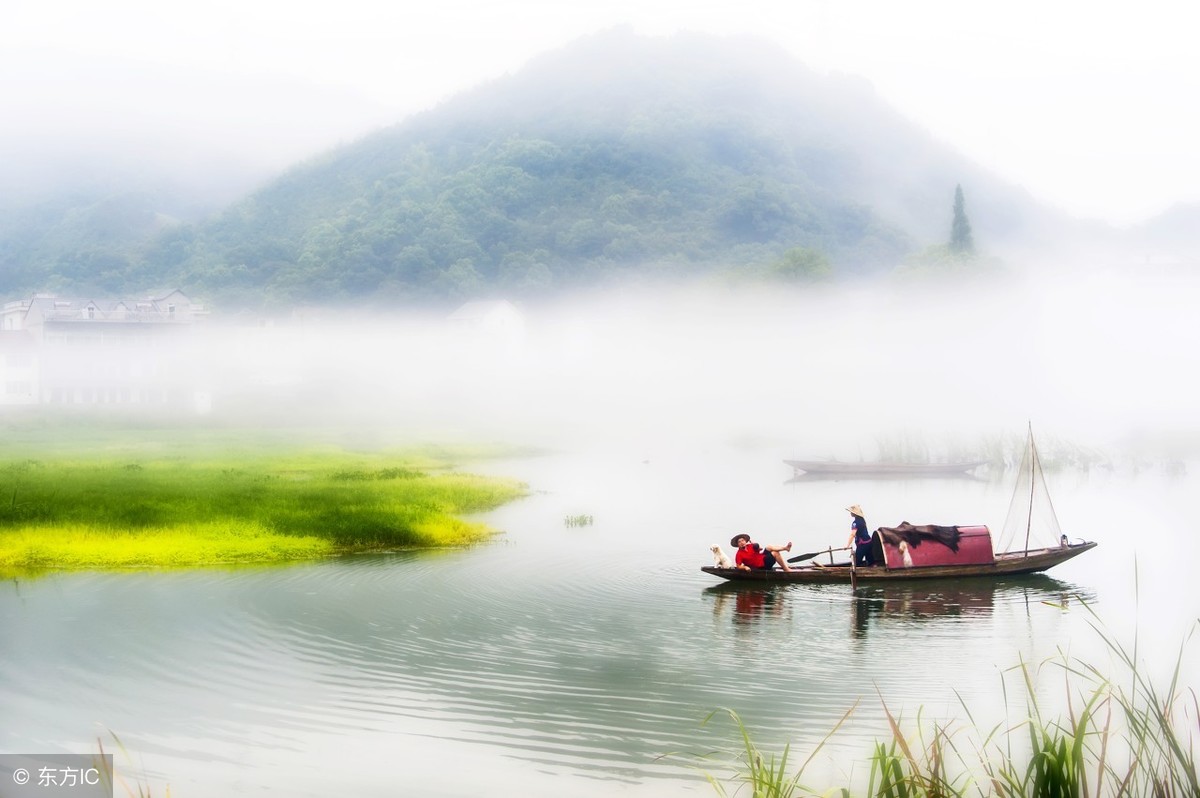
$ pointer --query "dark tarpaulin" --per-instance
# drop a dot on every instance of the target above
(914, 535)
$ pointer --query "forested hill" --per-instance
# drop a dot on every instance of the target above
(617, 155)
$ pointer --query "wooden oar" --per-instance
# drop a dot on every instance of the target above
(811, 554)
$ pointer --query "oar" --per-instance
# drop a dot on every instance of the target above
(811, 554)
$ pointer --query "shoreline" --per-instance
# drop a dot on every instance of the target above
(171, 509)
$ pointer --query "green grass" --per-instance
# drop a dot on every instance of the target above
(171, 506)
(765, 776)
(1122, 736)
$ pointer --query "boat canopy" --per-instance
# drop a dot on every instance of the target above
(931, 544)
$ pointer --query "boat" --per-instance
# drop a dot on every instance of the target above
(1009, 563)
(837, 468)
(907, 551)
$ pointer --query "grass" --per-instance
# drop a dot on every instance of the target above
(1124, 737)
(179, 508)
(764, 776)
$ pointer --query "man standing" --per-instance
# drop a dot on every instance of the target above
(860, 538)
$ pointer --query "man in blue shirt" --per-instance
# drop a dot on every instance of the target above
(860, 538)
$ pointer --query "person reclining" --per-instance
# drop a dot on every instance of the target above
(753, 557)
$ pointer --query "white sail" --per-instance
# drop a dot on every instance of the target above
(1031, 521)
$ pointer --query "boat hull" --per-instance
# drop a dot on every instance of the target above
(1006, 564)
(835, 468)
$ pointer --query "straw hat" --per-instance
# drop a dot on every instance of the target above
(854, 509)
(733, 540)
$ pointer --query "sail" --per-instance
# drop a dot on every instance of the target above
(1031, 522)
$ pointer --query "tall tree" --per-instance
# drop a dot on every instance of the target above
(960, 229)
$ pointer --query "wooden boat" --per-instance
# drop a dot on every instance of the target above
(1004, 564)
(838, 468)
(930, 551)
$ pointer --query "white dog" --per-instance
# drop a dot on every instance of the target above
(719, 557)
(904, 553)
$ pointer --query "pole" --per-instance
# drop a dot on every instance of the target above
(1032, 482)
(853, 563)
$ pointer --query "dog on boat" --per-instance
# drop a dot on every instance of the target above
(719, 557)
(904, 553)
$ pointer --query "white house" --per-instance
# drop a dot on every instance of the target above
(496, 317)
(86, 351)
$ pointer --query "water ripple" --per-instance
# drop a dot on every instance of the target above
(565, 658)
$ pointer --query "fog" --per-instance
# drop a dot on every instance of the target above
(1079, 104)
(118, 124)
(1100, 358)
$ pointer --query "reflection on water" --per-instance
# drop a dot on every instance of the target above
(581, 660)
(747, 605)
(938, 599)
(491, 651)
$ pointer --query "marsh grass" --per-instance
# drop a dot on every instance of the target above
(1119, 737)
(764, 776)
(177, 509)
(111, 778)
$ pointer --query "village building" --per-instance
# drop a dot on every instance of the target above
(84, 351)
(493, 325)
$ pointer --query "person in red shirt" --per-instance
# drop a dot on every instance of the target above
(751, 556)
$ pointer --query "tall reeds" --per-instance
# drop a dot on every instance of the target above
(764, 775)
(1120, 736)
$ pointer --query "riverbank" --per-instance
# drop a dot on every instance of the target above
(171, 505)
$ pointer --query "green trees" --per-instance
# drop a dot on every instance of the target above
(961, 241)
(802, 263)
(956, 255)
(663, 163)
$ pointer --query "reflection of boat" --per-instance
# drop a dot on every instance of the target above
(930, 551)
(927, 601)
(835, 468)
(961, 596)
(750, 602)
(917, 600)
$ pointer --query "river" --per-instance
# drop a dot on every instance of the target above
(582, 660)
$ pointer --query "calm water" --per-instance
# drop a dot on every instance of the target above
(575, 660)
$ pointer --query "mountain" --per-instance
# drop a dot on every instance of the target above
(1173, 235)
(615, 156)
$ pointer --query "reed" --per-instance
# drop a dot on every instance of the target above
(902, 767)
(1125, 736)
(175, 509)
(110, 777)
(766, 777)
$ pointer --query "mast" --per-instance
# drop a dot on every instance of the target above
(1033, 469)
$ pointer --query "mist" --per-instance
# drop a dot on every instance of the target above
(207, 134)
(1102, 358)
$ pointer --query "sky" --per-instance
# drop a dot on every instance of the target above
(1090, 106)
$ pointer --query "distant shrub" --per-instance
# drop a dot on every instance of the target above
(383, 473)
